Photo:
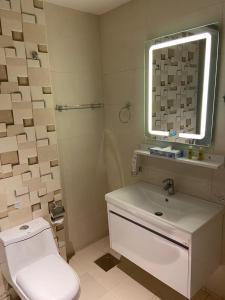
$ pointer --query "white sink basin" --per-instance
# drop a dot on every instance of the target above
(180, 210)
(181, 246)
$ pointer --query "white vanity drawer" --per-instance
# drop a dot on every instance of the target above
(157, 225)
(154, 253)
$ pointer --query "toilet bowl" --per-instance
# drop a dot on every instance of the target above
(31, 264)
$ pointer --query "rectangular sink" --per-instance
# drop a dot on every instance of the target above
(180, 210)
(176, 238)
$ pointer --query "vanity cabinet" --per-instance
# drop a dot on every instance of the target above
(183, 260)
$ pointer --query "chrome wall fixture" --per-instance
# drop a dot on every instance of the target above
(125, 113)
(61, 107)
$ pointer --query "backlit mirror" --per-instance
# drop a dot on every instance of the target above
(180, 86)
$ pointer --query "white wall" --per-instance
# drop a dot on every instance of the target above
(74, 49)
(123, 32)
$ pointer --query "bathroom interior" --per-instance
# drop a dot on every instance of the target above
(112, 174)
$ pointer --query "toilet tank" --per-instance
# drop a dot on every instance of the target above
(22, 245)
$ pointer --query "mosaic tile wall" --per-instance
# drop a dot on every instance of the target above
(175, 88)
(29, 170)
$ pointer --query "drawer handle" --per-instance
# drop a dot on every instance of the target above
(151, 230)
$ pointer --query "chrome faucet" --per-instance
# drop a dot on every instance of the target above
(168, 185)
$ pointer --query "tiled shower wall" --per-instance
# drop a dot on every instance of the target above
(29, 170)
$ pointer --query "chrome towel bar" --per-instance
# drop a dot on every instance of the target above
(78, 106)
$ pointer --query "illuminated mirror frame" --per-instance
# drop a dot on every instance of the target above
(210, 35)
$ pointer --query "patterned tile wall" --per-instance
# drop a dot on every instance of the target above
(175, 88)
(29, 169)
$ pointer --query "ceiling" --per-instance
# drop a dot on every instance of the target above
(96, 7)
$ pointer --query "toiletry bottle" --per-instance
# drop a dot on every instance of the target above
(190, 152)
(201, 154)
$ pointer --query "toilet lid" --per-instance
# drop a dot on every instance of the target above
(50, 278)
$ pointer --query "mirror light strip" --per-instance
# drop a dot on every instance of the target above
(207, 36)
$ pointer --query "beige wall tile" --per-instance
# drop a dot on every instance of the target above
(5, 4)
(3, 205)
(8, 144)
(3, 130)
(9, 87)
(9, 158)
(44, 168)
(22, 114)
(20, 169)
(3, 73)
(33, 63)
(21, 191)
(2, 57)
(27, 152)
(30, 133)
(43, 117)
(20, 49)
(21, 105)
(39, 76)
(15, 5)
(6, 116)
(49, 103)
(34, 33)
(22, 138)
(10, 21)
(5, 102)
(30, 47)
(34, 199)
(41, 132)
(25, 93)
(4, 223)
(47, 153)
(27, 6)
(16, 97)
(36, 93)
(34, 184)
(39, 13)
(47, 198)
(6, 41)
(35, 170)
(27, 18)
(20, 216)
(16, 67)
(42, 143)
(10, 184)
(10, 52)
(13, 130)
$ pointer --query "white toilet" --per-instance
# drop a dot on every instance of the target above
(31, 264)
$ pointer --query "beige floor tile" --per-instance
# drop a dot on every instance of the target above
(80, 266)
(109, 296)
(83, 260)
(132, 290)
(96, 284)
(90, 288)
(156, 298)
(210, 297)
(104, 246)
(201, 295)
(89, 253)
(109, 279)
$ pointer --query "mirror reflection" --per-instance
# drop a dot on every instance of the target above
(180, 86)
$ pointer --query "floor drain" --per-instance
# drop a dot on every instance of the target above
(107, 262)
(158, 213)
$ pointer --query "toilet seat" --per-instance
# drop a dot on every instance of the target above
(49, 278)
